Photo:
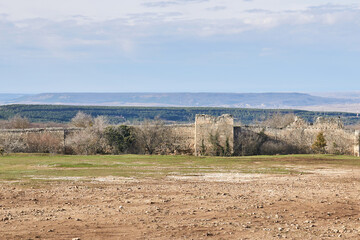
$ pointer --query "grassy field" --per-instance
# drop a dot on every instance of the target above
(42, 166)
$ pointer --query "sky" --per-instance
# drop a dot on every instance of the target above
(179, 46)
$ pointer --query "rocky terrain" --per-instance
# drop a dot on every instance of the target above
(320, 205)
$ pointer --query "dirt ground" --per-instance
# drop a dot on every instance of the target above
(321, 205)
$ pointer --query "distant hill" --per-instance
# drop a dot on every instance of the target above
(8, 97)
(343, 95)
(234, 100)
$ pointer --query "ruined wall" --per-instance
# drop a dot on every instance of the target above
(214, 135)
(299, 136)
(210, 136)
(357, 144)
(184, 139)
(51, 140)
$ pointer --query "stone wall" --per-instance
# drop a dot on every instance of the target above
(25, 140)
(299, 136)
(214, 135)
(184, 140)
(357, 144)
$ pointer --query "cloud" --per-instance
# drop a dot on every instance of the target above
(83, 36)
(163, 4)
(333, 8)
(216, 8)
(266, 52)
(41, 38)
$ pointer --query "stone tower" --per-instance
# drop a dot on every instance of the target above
(357, 144)
(214, 132)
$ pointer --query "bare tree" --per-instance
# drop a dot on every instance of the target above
(153, 137)
(249, 143)
(18, 122)
(44, 143)
(4, 124)
(90, 140)
(12, 143)
(99, 124)
(82, 120)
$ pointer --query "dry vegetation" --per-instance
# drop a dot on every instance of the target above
(154, 137)
(96, 137)
(19, 122)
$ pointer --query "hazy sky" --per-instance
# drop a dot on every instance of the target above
(179, 45)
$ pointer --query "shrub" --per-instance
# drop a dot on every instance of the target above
(84, 142)
(44, 143)
(319, 143)
(273, 147)
(216, 148)
(250, 143)
(202, 147)
(90, 140)
(227, 148)
(119, 138)
(82, 120)
(153, 137)
(12, 144)
(18, 122)
(2, 151)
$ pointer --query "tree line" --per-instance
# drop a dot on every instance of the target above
(129, 115)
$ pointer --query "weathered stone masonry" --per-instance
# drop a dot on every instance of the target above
(299, 134)
(198, 138)
(21, 135)
(216, 128)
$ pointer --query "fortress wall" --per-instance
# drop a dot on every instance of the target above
(24, 140)
(210, 128)
(302, 135)
(198, 139)
(184, 138)
(357, 144)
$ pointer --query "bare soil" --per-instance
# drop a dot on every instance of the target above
(321, 205)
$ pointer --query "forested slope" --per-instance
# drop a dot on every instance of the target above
(60, 113)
